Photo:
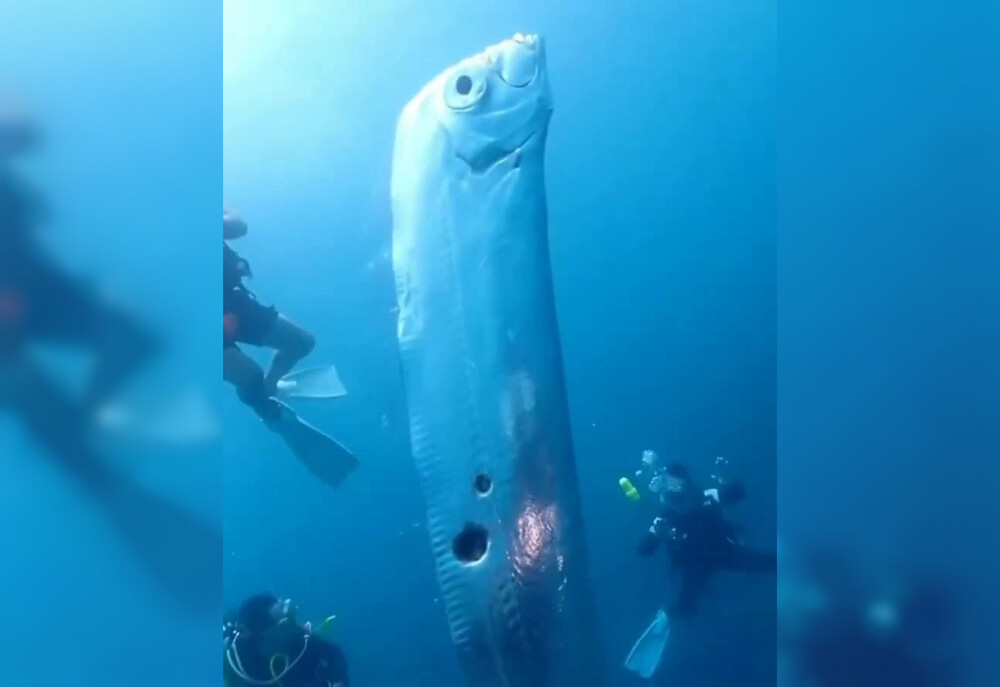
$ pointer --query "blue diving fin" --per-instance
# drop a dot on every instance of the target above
(645, 655)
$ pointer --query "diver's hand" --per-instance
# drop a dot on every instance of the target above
(233, 226)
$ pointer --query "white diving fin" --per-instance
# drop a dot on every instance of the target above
(312, 382)
(645, 656)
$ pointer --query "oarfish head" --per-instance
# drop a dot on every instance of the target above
(493, 108)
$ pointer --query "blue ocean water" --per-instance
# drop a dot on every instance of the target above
(661, 180)
(128, 173)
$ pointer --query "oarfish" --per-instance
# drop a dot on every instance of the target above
(483, 372)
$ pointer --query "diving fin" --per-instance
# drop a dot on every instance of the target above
(325, 457)
(312, 382)
(647, 652)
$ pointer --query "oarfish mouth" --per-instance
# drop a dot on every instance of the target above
(516, 62)
(492, 156)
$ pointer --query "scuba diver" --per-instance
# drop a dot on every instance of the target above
(264, 644)
(40, 303)
(700, 542)
(246, 321)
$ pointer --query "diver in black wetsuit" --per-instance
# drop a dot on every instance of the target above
(265, 645)
(699, 539)
(245, 320)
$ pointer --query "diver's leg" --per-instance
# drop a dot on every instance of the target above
(291, 344)
(242, 372)
(694, 579)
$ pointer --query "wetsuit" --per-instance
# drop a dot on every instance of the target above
(245, 320)
(701, 542)
(322, 665)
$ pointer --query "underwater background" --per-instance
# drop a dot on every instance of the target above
(128, 174)
(661, 181)
(667, 177)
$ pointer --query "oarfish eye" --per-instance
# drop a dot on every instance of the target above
(464, 89)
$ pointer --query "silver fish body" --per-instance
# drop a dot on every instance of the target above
(483, 372)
